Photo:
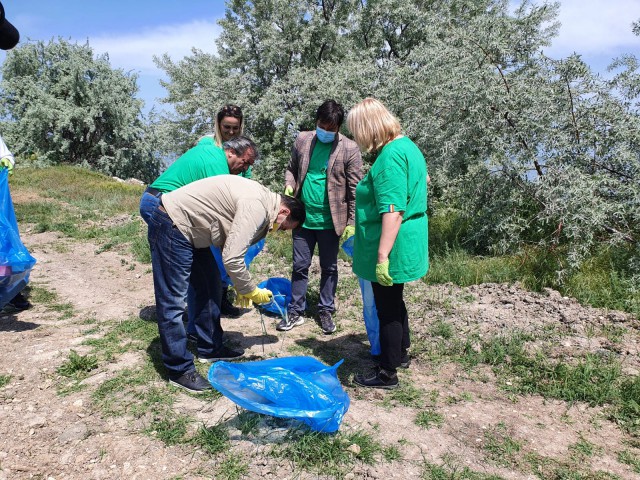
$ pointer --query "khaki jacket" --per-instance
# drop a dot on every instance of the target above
(344, 171)
(227, 211)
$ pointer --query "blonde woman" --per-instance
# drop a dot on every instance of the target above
(391, 230)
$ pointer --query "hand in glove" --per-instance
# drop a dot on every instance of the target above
(382, 274)
(5, 162)
(349, 231)
(288, 191)
(258, 296)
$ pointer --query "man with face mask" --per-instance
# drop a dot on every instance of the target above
(323, 172)
(227, 211)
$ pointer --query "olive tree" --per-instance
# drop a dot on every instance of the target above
(62, 104)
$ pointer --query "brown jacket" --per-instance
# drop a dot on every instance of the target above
(344, 171)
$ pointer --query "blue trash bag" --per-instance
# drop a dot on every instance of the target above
(370, 314)
(369, 311)
(300, 388)
(347, 246)
(281, 289)
(15, 260)
(252, 252)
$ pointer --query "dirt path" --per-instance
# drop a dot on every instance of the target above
(47, 435)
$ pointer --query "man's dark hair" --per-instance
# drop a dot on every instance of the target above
(330, 112)
(297, 212)
(239, 146)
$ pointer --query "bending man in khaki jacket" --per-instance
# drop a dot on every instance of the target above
(231, 213)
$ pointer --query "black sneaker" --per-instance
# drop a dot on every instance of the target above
(405, 361)
(378, 378)
(192, 382)
(292, 319)
(192, 337)
(226, 307)
(223, 353)
(19, 302)
(326, 322)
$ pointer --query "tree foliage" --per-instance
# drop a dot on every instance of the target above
(521, 148)
(63, 105)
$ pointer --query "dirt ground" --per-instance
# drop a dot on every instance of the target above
(50, 436)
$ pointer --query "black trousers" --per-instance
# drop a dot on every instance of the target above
(394, 324)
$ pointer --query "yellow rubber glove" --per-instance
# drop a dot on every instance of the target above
(382, 274)
(243, 302)
(258, 296)
(5, 162)
(288, 191)
(349, 231)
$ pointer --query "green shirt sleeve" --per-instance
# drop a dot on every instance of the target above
(390, 183)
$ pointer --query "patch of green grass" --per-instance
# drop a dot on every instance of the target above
(546, 468)
(603, 280)
(42, 296)
(128, 335)
(583, 449)
(613, 333)
(452, 469)
(406, 394)
(233, 467)
(460, 268)
(279, 245)
(628, 458)
(170, 429)
(80, 204)
(500, 447)
(213, 440)
(391, 453)
(77, 365)
(4, 380)
(594, 379)
(429, 418)
(441, 329)
(130, 393)
(327, 454)
(248, 422)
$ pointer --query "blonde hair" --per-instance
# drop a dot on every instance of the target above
(372, 125)
(227, 111)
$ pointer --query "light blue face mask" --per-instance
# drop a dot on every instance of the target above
(324, 136)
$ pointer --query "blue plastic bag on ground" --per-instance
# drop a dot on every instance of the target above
(301, 388)
(15, 260)
(281, 289)
(252, 252)
(369, 311)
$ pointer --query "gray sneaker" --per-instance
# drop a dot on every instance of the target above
(192, 382)
(326, 322)
(293, 319)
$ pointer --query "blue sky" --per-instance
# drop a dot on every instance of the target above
(132, 31)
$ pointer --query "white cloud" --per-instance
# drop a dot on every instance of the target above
(596, 27)
(136, 51)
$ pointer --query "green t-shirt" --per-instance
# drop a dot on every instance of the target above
(246, 174)
(314, 193)
(202, 161)
(396, 182)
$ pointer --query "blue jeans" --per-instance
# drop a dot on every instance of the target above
(304, 243)
(148, 204)
(176, 264)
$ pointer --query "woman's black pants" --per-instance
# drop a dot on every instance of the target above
(394, 324)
